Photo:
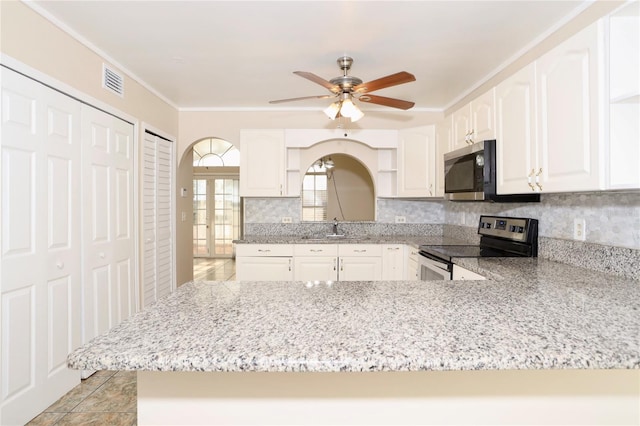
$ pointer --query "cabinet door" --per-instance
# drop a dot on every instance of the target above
(251, 268)
(568, 84)
(360, 268)
(483, 118)
(393, 262)
(412, 272)
(461, 125)
(443, 143)
(515, 144)
(261, 163)
(416, 162)
(315, 268)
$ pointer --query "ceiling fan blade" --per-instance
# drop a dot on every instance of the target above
(388, 81)
(301, 99)
(318, 80)
(390, 102)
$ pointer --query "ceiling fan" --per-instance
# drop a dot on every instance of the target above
(347, 88)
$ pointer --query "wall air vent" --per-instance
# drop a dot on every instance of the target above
(112, 80)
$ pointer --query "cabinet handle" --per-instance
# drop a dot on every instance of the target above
(529, 179)
(280, 189)
(431, 190)
(334, 263)
(360, 251)
(393, 248)
(341, 264)
(289, 265)
(538, 178)
(471, 137)
(315, 251)
(264, 251)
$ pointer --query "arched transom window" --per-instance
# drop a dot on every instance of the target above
(215, 152)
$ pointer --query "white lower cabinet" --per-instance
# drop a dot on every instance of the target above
(264, 262)
(360, 262)
(412, 270)
(393, 262)
(315, 262)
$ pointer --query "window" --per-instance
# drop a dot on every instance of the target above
(215, 152)
(314, 191)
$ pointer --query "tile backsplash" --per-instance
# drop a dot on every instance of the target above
(611, 218)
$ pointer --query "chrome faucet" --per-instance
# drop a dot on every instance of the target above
(335, 226)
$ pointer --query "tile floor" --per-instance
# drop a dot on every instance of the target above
(109, 397)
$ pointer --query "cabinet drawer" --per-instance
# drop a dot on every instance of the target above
(264, 250)
(315, 249)
(360, 250)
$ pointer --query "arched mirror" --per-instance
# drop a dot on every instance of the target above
(340, 186)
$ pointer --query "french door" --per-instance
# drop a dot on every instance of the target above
(216, 211)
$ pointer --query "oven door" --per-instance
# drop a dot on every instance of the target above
(433, 269)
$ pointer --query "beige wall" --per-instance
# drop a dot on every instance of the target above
(355, 194)
(34, 42)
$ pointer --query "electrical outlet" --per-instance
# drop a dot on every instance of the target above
(401, 219)
(579, 229)
(287, 219)
(184, 216)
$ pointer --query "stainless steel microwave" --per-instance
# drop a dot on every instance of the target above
(470, 175)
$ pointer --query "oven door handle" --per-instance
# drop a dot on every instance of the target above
(433, 261)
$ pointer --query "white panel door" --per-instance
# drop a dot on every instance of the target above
(41, 270)
(158, 270)
(109, 244)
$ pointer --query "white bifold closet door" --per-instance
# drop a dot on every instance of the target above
(158, 218)
(41, 270)
(107, 203)
(45, 258)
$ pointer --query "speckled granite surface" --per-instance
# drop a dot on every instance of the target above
(529, 314)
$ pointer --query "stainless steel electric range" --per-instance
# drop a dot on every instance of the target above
(499, 237)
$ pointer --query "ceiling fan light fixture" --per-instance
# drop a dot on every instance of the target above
(351, 110)
(332, 110)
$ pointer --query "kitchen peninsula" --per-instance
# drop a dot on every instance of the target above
(539, 341)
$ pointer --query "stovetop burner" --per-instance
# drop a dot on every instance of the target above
(500, 237)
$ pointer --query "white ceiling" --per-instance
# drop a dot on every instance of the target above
(241, 54)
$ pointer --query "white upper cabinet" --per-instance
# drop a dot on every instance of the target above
(568, 83)
(624, 91)
(443, 143)
(548, 121)
(262, 163)
(483, 117)
(475, 121)
(417, 162)
(516, 118)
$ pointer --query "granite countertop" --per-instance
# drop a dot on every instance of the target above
(412, 240)
(529, 314)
